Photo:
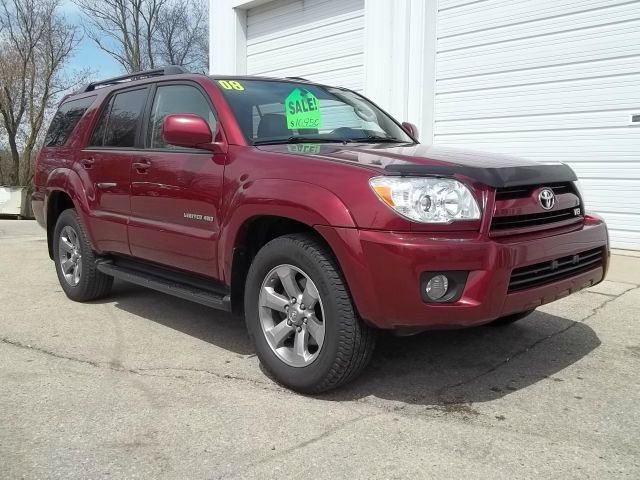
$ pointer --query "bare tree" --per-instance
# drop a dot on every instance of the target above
(35, 44)
(182, 37)
(143, 34)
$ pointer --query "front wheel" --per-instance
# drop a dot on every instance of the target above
(300, 316)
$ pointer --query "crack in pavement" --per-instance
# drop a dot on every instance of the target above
(305, 443)
(138, 371)
(147, 372)
(605, 303)
(256, 383)
(632, 286)
(441, 392)
(222, 376)
(47, 352)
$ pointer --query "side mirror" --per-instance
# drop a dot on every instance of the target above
(192, 131)
(411, 129)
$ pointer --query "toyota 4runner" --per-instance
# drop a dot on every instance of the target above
(305, 208)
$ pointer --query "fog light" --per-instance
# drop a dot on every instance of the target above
(437, 287)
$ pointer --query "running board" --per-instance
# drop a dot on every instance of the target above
(165, 285)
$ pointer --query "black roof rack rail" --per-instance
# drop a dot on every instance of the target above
(158, 72)
(297, 78)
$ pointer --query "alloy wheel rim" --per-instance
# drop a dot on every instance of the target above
(70, 255)
(291, 315)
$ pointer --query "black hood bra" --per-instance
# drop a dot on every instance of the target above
(497, 177)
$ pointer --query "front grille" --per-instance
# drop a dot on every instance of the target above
(522, 199)
(525, 191)
(534, 219)
(551, 271)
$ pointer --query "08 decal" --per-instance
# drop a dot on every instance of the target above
(231, 85)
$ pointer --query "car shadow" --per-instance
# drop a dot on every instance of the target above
(213, 326)
(433, 368)
(472, 365)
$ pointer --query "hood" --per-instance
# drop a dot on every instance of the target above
(427, 160)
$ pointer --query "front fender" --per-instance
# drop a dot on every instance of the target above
(296, 200)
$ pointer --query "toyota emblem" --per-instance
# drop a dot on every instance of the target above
(547, 198)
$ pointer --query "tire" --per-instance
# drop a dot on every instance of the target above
(81, 281)
(509, 319)
(347, 343)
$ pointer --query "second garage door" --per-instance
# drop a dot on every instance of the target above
(549, 80)
(321, 40)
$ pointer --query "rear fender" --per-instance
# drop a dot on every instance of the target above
(67, 181)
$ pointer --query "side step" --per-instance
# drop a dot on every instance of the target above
(166, 285)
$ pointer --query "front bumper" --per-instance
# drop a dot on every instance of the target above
(383, 272)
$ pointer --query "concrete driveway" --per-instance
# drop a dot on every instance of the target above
(143, 385)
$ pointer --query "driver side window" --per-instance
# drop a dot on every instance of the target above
(176, 99)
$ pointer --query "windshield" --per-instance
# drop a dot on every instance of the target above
(270, 112)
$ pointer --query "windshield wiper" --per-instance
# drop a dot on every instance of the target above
(298, 139)
(378, 139)
(301, 139)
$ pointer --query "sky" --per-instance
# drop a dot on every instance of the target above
(88, 54)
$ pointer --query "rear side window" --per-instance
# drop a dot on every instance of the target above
(65, 120)
(118, 123)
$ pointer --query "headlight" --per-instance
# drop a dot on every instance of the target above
(427, 200)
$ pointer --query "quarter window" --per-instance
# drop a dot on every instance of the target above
(176, 99)
(97, 138)
(65, 120)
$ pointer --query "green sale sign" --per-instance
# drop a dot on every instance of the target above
(302, 109)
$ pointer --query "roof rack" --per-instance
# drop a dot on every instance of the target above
(297, 78)
(158, 72)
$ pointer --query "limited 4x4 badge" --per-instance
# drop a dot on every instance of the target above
(302, 109)
(197, 216)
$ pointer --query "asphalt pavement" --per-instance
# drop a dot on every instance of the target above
(144, 385)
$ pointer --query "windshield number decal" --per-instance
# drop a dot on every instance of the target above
(312, 148)
(302, 109)
(231, 85)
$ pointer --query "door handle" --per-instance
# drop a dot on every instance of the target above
(106, 185)
(87, 162)
(142, 165)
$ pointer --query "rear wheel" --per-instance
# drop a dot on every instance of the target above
(300, 316)
(509, 319)
(75, 261)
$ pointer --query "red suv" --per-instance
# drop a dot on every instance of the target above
(306, 208)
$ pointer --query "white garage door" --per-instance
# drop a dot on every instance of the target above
(548, 80)
(321, 40)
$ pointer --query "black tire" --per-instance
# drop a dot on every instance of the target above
(92, 284)
(509, 319)
(348, 342)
